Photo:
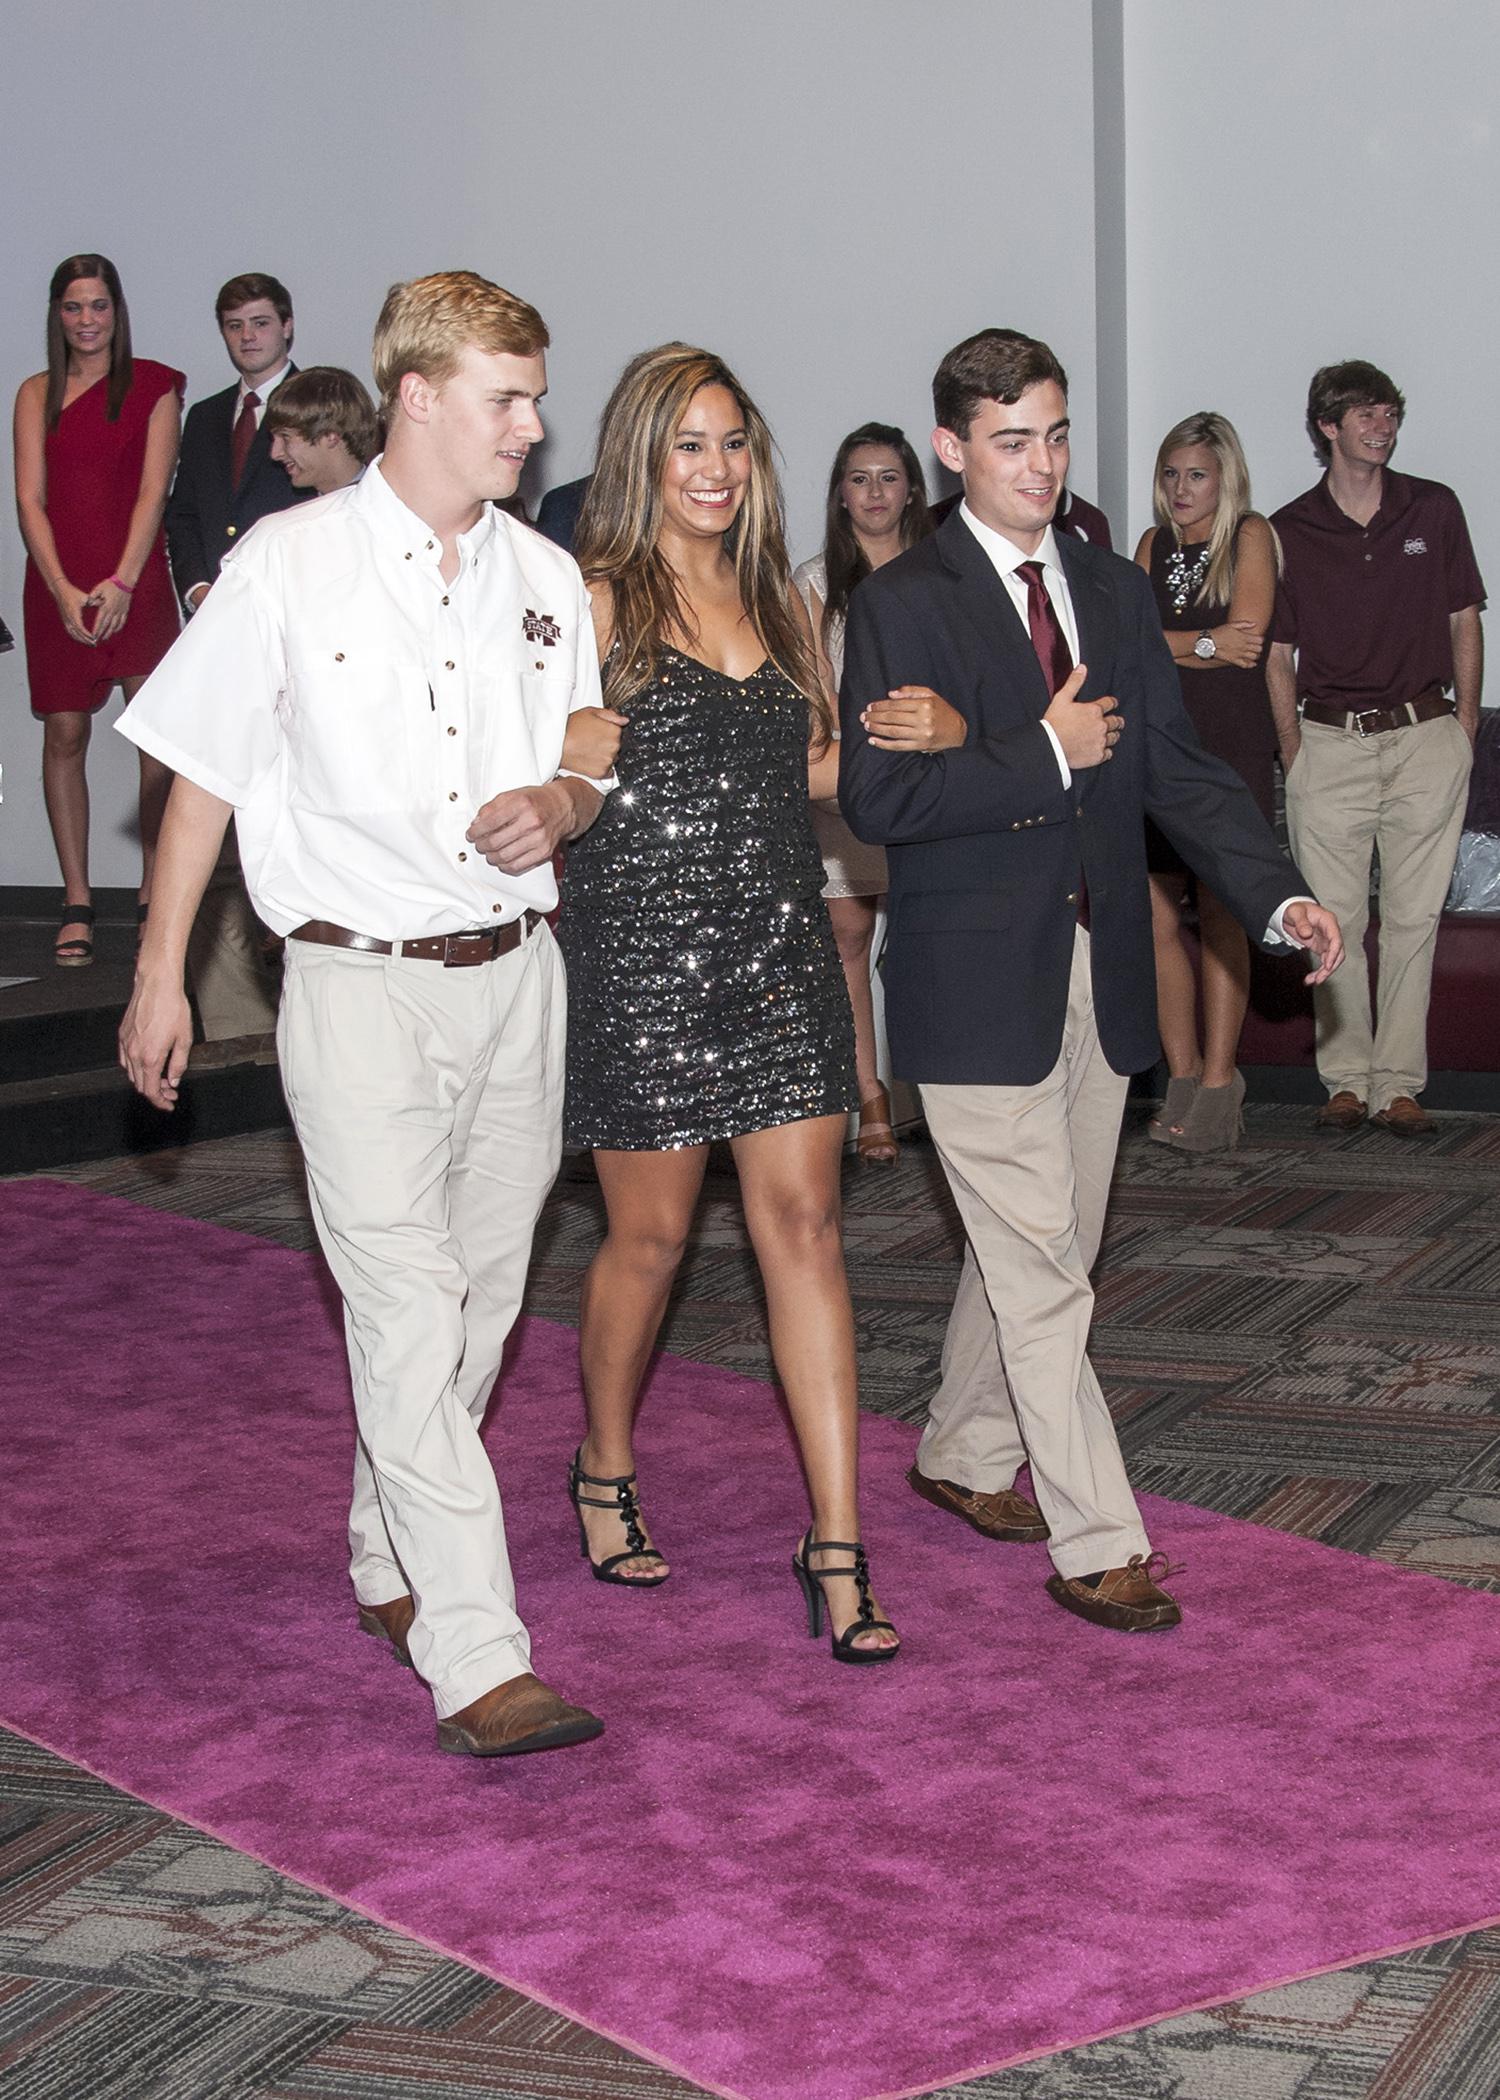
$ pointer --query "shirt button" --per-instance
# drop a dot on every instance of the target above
(494, 907)
(540, 665)
(406, 557)
(449, 665)
(445, 601)
(338, 656)
(463, 856)
(1369, 557)
(454, 796)
(230, 531)
(453, 732)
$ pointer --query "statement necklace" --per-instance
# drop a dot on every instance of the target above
(1184, 581)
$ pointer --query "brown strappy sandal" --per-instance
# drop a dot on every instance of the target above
(877, 1142)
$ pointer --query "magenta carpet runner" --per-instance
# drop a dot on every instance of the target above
(784, 1879)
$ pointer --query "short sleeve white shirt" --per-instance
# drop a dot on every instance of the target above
(357, 711)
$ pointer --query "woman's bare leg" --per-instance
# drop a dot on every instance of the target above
(1176, 985)
(853, 923)
(1226, 987)
(649, 1200)
(156, 782)
(65, 789)
(789, 1178)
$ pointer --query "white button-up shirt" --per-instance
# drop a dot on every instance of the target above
(356, 710)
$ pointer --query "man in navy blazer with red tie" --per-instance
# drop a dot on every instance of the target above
(1011, 715)
(226, 481)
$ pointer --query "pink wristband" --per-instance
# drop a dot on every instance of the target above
(127, 588)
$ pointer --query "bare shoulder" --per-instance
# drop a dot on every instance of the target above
(1144, 546)
(1255, 532)
(31, 394)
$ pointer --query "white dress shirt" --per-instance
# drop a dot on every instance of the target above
(356, 710)
(1007, 558)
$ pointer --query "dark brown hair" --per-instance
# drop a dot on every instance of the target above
(1337, 388)
(619, 531)
(326, 401)
(998, 364)
(121, 363)
(845, 562)
(249, 286)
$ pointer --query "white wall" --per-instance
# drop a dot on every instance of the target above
(816, 191)
(1307, 183)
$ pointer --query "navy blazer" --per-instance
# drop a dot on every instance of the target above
(984, 843)
(205, 513)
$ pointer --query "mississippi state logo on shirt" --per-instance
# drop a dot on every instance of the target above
(541, 627)
(1415, 547)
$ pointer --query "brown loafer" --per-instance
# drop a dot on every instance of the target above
(1128, 1598)
(390, 1622)
(1405, 1117)
(516, 1717)
(1002, 1514)
(1341, 1111)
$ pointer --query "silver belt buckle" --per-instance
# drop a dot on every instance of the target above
(1360, 717)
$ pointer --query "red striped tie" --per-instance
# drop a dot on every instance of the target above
(243, 437)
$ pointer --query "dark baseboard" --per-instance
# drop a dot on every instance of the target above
(38, 901)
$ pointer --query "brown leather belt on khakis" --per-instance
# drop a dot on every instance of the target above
(455, 951)
(1374, 721)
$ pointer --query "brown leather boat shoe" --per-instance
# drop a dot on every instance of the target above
(1127, 1599)
(390, 1622)
(516, 1717)
(1405, 1118)
(1001, 1514)
(1341, 1111)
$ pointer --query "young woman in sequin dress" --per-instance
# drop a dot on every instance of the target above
(706, 997)
(877, 507)
(1213, 564)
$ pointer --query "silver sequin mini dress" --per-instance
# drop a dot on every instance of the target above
(705, 993)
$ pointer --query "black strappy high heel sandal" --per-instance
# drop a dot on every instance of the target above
(810, 1582)
(622, 1500)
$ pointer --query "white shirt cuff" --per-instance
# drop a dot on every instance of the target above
(1276, 931)
(1062, 764)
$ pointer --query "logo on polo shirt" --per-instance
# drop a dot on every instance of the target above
(1415, 547)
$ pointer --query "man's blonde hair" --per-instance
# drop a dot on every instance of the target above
(426, 325)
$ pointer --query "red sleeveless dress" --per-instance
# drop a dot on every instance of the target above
(93, 478)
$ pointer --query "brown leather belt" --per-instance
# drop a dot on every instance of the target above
(1374, 721)
(455, 951)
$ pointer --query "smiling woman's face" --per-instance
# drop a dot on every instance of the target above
(708, 468)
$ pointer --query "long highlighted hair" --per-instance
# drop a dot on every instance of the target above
(1218, 436)
(619, 530)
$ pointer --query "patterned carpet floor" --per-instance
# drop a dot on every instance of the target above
(1305, 1333)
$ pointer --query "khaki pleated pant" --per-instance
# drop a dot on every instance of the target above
(428, 1104)
(1030, 1169)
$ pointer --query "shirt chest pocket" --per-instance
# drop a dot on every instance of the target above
(363, 723)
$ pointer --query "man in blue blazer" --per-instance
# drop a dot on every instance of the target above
(1011, 714)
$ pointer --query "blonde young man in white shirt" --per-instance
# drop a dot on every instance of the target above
(391, 671)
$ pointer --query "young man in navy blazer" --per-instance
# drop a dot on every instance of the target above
(1011, 715)
(226, 481)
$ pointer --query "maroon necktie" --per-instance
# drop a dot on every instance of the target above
(243, 437)
(1056, 660)
(1047, 637)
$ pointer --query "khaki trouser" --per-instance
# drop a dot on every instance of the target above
(428, 1104)
(234, 990)
(1401, 792)
(1030, 1168)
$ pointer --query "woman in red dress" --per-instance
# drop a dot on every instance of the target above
(95, 444)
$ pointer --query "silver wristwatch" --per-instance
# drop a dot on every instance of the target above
(1204, 646)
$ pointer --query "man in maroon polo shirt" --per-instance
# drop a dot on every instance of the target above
(1375, 671)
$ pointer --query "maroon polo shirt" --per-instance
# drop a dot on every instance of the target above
(1367, 606)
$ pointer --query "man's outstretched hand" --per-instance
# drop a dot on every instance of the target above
(1318, 931)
